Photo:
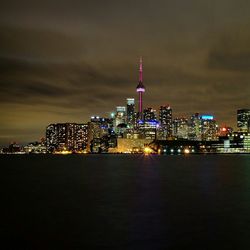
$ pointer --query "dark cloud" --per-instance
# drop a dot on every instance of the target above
(228, 60)
(232, 52)
(39, 44)
(61, 85)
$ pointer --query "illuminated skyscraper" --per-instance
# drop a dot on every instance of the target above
(140, 89)
(81, 136)
(130, 112)
(148, 129)
(99, 127)
(209, 128)
(165, 118)
(203, 127)
(243, 120)
(120, 116)
(195, 127)
(149, 114)
(180, 127)
(98, 134)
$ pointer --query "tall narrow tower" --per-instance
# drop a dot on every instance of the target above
(140, 89)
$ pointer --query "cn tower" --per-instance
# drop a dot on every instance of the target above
(140, 89)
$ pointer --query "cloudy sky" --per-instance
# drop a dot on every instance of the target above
(63, 61)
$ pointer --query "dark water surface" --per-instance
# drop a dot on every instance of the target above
(125, 202)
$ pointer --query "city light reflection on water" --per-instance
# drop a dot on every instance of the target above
(130, 201)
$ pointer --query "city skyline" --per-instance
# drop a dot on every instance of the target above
(140, 110)
(82, 60)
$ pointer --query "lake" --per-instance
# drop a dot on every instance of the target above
(125, 202)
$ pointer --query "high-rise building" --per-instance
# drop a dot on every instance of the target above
(51, 137)
(140, 89)
(66, 136)
(94, 129)
(149, 114)
(243, 120)
(70, 136)
(209, 128)
(195, 127)
(180, 128)
(120, 116)
(148, 129)
(130, 112)
(99, 127)
(57, 137)
(100, 134)
(81, 136)
(165, 118)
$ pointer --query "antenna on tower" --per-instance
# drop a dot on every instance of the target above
(140, 75)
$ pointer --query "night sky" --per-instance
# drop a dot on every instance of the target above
(63, 61)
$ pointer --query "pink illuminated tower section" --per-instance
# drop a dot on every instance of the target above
(140, 89)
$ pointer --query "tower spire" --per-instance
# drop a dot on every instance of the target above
(140, 71)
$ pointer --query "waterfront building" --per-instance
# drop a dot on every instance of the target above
(165, 119)
(81, 136)
(246, 143)
(98, 127)
(209, 128)
(101, 134)
(148, 129)
(180, 128)
(194, 132)
(131, 117)
(13, 148)
(35, 148)
(131, 145)
(243, 120)
(66, 137)
(120, 116)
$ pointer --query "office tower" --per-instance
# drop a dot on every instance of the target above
(149, 114)
(94, 130)
(140, 89)
(120, 116)
(130, 112)
(195, 127)
(100, 134)
(94, 134)
(99, 127)
(180, 128)
(243, 120)
(165, 119)
(209, 128)
(148, 129)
